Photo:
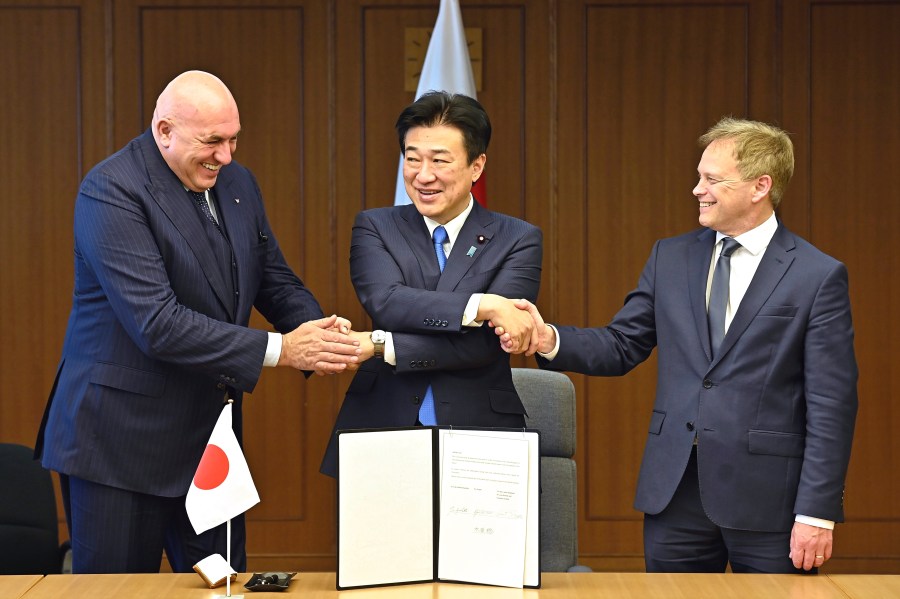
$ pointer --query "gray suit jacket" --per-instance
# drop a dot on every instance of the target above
(398, 281)
(158, 331)
(774, 412)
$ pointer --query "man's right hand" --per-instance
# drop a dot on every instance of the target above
(366, 347)
(502, 314)
(318, 345)
(543, 336)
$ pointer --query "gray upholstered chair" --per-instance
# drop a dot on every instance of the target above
(549, 399)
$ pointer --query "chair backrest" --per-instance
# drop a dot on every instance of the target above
(29, 537)
(549, 399)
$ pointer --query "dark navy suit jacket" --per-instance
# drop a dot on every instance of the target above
(398, 281)
(157, 334)
(774, 411)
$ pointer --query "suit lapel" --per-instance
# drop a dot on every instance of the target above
(460, 261)
(699, 257)
(774, 264)
(412, 227)
(169, 194)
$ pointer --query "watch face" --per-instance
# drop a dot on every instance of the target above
(378, 336)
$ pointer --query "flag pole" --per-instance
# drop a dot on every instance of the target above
(228, 544)
(228, 540)
(228, 556)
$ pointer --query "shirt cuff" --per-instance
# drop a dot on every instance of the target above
(814, 521)
(390, 356)
(471, 312)
(552, 353)
(273, 350)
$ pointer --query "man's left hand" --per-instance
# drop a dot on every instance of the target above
(342, 325)
(810, 545)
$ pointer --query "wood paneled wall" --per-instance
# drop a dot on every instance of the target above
(596, 107)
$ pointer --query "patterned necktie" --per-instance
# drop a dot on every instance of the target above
(200, 199)
(718, 294)
(427, 414)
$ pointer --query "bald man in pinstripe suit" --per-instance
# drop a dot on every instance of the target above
(172, 250)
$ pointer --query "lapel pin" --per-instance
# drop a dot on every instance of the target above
(481, 239)
(471, 251)
(237, 200)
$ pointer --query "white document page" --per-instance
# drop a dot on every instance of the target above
(533, 536)
(386, 507)
(484, 508)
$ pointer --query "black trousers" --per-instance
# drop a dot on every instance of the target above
(682, 538)
(118, 531)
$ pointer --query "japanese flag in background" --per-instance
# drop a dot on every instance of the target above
(446, 68)
(222, 486)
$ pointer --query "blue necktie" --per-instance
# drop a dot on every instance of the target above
(427, 415)
(718, 294)
(440, 238)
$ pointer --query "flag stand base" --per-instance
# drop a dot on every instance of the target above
(229, 596)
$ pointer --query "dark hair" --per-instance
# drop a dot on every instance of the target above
(436, 108)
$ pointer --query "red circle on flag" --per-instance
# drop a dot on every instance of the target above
(213, 468)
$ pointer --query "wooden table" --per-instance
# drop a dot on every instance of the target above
(867, 586)
(13, 587)
(320, 585)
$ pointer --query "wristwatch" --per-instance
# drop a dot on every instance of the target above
(378, 338)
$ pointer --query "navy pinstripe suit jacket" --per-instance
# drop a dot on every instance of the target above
(398, 281)
(156, 334)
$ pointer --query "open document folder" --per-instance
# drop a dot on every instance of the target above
(428, 504)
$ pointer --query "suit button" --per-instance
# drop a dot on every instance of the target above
(220, 386)
(420, 363)
(412, 363)
(443, 323)
(689, 425)
(416, 401)
(425, 321)
(707, 384)
(431, 363)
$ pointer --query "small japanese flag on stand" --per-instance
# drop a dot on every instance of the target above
(222, 487)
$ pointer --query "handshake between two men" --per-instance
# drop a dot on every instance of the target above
(330, 345)
(533, 336)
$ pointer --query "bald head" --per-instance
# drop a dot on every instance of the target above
(191, 93)
(195, 125)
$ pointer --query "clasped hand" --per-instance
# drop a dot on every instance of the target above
(542, 337)
(323, 346)
(515, 325)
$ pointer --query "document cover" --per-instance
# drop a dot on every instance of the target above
(431, 504)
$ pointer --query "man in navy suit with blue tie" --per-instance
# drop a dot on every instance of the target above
(172, 250)
(434, 276)
(749, 438)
